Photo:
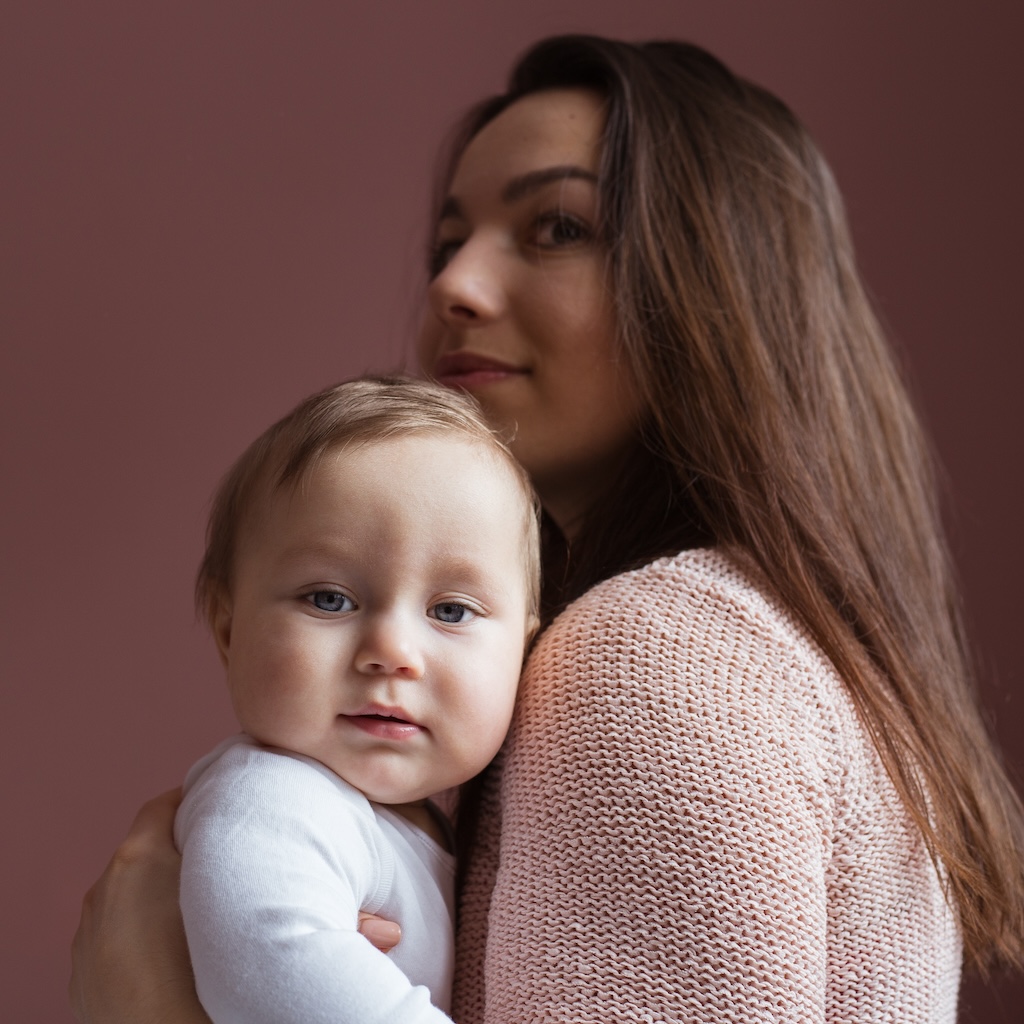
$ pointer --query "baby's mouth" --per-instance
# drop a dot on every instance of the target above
(384, 723)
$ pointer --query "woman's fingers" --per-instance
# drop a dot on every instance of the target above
(153, 828)
(385, 935)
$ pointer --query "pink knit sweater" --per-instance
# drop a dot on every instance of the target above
(690, 824)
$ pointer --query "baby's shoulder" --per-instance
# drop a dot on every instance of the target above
(280, 819)
(242, 760)
(269, 788)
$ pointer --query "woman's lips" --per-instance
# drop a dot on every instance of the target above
(469, 370)
(384, 723)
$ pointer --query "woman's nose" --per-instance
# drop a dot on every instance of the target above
(387, 647)
(470, 289)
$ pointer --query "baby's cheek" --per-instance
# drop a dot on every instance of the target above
(273, 697)
(491, 730)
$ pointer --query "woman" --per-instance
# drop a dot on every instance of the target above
(747, 779)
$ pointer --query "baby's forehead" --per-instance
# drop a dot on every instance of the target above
(471, 508)
(487, 459)
(478, 465)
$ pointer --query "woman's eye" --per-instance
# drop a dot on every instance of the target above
(451, 612)
(557, 230)
(330, 601)
(441, 254)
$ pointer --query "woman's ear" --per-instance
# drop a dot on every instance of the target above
(220, 625)
(532, 629)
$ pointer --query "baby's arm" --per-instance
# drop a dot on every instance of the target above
(271, 906)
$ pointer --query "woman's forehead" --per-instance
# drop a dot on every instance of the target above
(558, 128)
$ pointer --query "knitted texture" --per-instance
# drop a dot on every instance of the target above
(688, 823)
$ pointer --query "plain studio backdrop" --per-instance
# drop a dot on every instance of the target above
(211, 209)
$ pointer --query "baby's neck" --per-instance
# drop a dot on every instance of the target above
(423, 815)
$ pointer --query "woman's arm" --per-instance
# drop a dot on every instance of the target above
(129, 959)
(665, 820)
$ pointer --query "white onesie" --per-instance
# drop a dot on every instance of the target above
(279, 856)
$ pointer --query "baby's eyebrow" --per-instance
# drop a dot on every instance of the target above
(313, 552)
(462, 569)
(465, 572)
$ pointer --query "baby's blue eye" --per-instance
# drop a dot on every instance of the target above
(451, 612)
(331, 601)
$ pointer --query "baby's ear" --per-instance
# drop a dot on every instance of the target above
(220, 625)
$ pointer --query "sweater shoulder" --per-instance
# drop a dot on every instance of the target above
(700, 598)
(695, 640)
(693, 577)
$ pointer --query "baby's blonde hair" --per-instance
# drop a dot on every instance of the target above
(366, 410)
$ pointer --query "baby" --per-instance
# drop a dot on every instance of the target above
(371, 579)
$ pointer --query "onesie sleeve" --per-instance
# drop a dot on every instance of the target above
(276, 864)
(664, 815)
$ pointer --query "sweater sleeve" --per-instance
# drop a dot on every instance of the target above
(276, 865)
(665, 818)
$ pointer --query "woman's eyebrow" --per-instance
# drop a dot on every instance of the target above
(522, 185)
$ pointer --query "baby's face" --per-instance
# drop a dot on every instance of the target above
(379, 614)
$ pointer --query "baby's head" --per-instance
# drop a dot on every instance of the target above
(371, 578)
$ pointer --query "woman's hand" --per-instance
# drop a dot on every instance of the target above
(385, 935)
(129, 959)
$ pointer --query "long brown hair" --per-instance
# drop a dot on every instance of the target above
(780, 429)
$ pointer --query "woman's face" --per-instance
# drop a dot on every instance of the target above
(520, 314)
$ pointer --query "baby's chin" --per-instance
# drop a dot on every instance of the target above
(395, 793)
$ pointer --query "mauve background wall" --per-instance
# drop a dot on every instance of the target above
(211, 209)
